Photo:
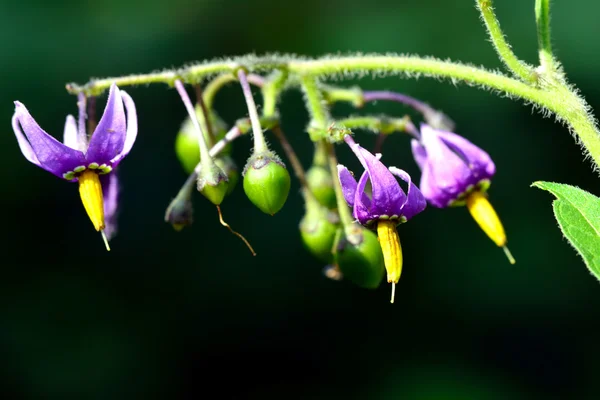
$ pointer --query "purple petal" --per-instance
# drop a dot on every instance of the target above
(419, 153)
(132, 127)
(70, 133)
(415, 201)
(362, 203)
(478, 160)
(110, 194)
(52, 155)
(386, 195)
(448, 173)
(108, 138)
(23, 143)
(348, 184)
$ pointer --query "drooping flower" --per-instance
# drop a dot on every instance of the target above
(91, 161)
(455, 172)
(386, 207)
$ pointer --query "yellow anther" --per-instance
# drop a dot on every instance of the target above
(90, 191)
(392, 252)
(484, 214)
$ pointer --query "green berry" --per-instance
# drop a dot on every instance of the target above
(359, 257)
(266, 182)
(318, 228)
(320, 184)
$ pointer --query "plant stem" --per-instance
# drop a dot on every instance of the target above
(314, 102)
(565, 104)
(271, 89)
(205, 116)
(505, 53)
(383, 125)
(542, 20)
(345, 217)
(260, 145)
(217, 84)
(204, 154)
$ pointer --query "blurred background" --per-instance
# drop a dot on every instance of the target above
(184, 314)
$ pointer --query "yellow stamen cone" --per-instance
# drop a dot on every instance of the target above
(90, 191)
(484, 214)
(392, 252)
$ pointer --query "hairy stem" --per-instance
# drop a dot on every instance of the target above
(260, 145)
(381, 124)
(314, 102)
(582, 123)
(542, 20)
(505, 53)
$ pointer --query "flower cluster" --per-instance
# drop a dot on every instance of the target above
(357, 245)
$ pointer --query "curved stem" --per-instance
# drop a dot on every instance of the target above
(542, 20)
(213, 87)
(260, 145)
(343, 210)
(204, 155)
(565, 104)
(314, 101)
(505, 53)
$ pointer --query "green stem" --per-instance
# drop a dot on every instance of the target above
(505, 53)
(345, 217)
(321, 154)
(354, 66)
(542, 20)
(216, 84)
(260, 145)
(381, 124)
(315, 103)
(204, 117)
(271, 90)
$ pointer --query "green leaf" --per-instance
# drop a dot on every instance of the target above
(578, 215)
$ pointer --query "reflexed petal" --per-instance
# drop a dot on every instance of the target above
(70, 133)
(132, 127)
(23, 143)
(110, 194)
(415, 201)
(348, 184)
(52, 155)
(449, 172)
(386, 194)
(419, 153)
(362, 203)
(108, 138)
(477, 159)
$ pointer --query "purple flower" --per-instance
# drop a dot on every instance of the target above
(387, 201)
(452, 167)
(87, 160)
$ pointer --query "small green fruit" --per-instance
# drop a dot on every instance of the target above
(266, 182)
(320, 184)
(359, 257)
(317, 230)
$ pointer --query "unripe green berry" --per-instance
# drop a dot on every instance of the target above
(320, 184)
(318, 230)
(187, 148)
(359, 257)
(228, 166)
(266, 182)
(213, 183)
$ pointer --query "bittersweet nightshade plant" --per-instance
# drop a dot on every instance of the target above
(454, 171)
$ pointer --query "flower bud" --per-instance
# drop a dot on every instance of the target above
(213, 183)
(320, 184)
(359, 257)
(180, 212)
(266, 182)
(318, 229)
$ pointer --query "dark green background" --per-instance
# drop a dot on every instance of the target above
(182, 315)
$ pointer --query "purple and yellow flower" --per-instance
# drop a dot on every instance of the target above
(455, 172)
(387, 206)
(91, 161)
